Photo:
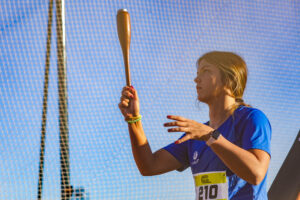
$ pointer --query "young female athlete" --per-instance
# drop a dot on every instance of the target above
(229, 155)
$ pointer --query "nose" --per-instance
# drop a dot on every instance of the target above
(196, 80)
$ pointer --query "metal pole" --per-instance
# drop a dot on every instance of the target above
(66, 188)
(45, 102)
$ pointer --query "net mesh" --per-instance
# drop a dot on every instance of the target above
(167, 37)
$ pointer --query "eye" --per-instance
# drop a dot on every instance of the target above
(203, 71)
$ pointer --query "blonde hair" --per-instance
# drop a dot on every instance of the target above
(233, 71)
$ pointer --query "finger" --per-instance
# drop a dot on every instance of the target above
(127, 94)
(130, 88)
(127, 87)
(179, 129)
(183, 139)
(124, 99)
(133, 91)
(125, 104)
(178, 118)
(121, 106)
(176, 123)
(130, 92)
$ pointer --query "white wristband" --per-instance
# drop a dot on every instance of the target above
(214, 135)
(210, 141)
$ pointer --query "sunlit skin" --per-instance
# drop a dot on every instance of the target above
(208, 83)
(251, 165)
(210, 90)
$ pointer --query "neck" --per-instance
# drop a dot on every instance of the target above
(220, 110)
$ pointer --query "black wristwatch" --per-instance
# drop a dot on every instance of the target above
(214, 135)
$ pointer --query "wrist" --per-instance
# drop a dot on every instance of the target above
(214, 135)
(133, 119)
(131, 116)
(206, 137)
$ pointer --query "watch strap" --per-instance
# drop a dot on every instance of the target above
(214, 135)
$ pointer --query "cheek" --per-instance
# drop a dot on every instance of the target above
(219, 87)
(213, 87)
(211, 83)
(216, 82)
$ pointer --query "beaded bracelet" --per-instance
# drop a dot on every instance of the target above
(131, 120)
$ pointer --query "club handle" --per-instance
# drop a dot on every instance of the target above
(124, 33)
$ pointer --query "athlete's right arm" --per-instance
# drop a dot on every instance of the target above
(147, 162)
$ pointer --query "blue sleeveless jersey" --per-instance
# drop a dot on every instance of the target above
(248, 128)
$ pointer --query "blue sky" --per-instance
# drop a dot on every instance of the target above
(167, 38)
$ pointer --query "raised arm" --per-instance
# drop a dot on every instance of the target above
(147, 162)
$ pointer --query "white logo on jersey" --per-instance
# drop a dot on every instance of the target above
(195, 155)
(195, 158)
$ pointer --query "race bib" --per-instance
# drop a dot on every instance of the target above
(211, 186)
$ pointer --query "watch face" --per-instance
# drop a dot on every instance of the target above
(215, 134)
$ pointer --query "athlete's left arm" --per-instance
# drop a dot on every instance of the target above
(250, 165)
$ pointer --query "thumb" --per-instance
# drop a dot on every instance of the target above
(183, 139)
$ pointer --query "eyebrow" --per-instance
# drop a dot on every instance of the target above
(203, 68)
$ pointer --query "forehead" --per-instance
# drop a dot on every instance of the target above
(203, 64)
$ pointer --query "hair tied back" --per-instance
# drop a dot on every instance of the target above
(239, 100)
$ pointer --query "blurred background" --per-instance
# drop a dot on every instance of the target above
(167, 38)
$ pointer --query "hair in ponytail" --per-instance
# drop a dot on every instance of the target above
(240, 102)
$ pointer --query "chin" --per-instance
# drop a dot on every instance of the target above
(202, 99)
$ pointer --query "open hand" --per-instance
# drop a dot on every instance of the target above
(194, 130)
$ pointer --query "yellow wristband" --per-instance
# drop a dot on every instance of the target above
(131, 120)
